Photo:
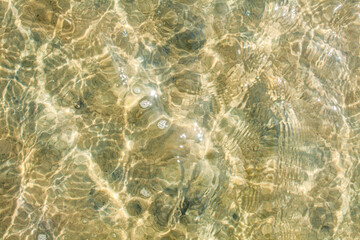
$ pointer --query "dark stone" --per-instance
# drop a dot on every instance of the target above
(159, 56)
(325, 228)
(98, 200)
(189, 40)
(161, 212)
(96, 206)
(221, 8)
(185, 207)
(117, 174)
(37, 38)
(92, 191)
(188, 60)
(134, 208)
(31, 109)
(171, 191)
(188, 82)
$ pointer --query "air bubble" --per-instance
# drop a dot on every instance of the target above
(200, 136)
(137, 90)
(42, 236)
(145, 104)
(123, 76)
(162, 124)
(144, 192)
(124, 33)
(153, 93)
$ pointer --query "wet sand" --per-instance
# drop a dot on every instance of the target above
(144, 119)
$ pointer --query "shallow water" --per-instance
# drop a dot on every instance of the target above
(144, 119)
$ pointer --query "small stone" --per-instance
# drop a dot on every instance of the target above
(266, 230)
(78, 104)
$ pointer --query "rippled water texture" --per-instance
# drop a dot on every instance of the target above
(164, 119)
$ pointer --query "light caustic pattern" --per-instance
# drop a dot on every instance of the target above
(179, 119)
